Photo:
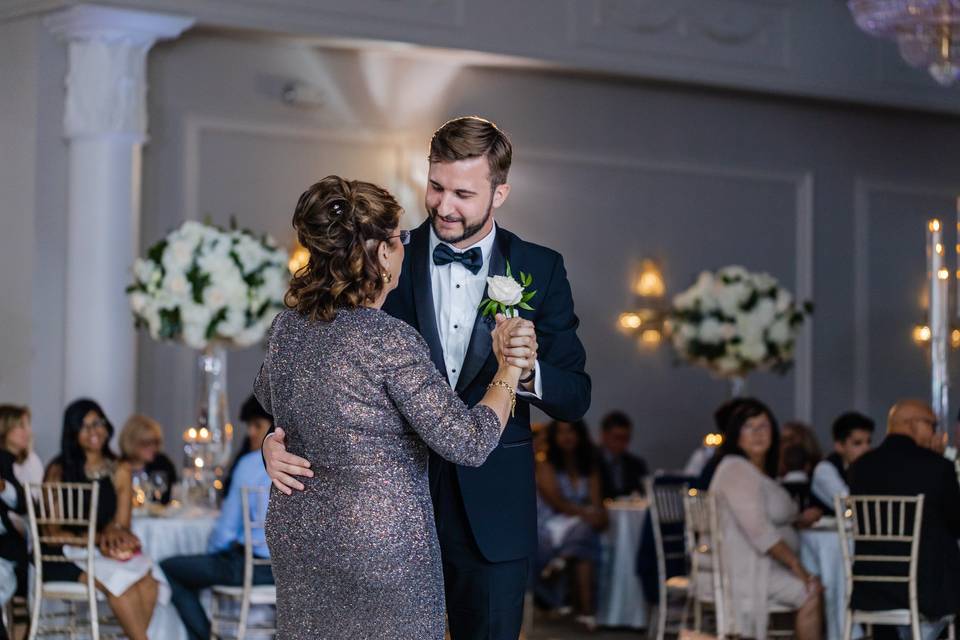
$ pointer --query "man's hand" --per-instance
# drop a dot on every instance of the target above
(523, 343)
(282, 466)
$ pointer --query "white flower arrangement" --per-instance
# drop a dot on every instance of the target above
(733, 322)
(203, 284)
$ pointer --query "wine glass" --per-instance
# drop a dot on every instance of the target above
(161, 482)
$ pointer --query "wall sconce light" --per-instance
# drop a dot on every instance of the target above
(299, 258)
(646, 320)
(922, 335)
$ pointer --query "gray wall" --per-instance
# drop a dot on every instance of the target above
(606, 171)
(32, 224)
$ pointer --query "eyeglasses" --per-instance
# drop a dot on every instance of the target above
(404, 236)
(94, 424)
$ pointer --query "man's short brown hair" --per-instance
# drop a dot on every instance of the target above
(473, 137)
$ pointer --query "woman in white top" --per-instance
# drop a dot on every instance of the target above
(756, 517)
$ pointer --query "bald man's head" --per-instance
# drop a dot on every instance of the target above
(913, 418)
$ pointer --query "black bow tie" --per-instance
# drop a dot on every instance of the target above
(471, 258)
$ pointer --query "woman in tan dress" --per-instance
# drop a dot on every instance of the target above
(355, 555)
(756, 518)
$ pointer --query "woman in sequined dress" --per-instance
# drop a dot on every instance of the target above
(356, 555)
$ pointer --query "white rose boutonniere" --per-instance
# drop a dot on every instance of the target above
(506, 294)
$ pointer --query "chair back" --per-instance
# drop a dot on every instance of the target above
(704, 541)
(879, 525)
(667, 519)
(53, 506)
(254, 500)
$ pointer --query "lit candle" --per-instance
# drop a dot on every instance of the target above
(939, 276)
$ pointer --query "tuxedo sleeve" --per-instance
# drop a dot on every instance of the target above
(14, 490)
(562, 358)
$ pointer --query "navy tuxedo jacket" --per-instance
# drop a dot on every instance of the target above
(500, 496)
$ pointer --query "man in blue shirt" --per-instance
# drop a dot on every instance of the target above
(223, 563)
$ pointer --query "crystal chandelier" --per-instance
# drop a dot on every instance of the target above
(927, 31)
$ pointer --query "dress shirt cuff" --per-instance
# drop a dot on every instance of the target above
(537, 392)
(9, 494)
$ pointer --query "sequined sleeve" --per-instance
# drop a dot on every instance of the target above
(461, 435)
(261, 385)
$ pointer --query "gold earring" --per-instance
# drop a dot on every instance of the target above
(387, 277)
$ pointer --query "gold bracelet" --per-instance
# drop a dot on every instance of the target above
(513, 393)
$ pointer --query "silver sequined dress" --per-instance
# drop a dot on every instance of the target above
(355, 555)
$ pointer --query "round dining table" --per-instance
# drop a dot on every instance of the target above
(621, 602)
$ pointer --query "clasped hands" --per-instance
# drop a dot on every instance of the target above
(118, 543)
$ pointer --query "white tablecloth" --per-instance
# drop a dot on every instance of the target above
(164, 537)
(621, 602)
(821, 555)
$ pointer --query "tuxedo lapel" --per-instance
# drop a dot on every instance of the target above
(419, 251)
(480, 348)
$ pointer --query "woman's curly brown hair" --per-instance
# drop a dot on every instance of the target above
(341, 223)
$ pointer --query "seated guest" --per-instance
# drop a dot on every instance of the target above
(796, 479)
(223, 563)
(907, 463)
(13, 545)
(573, 514)
(258, 423)
(703, 473)
(623, 472)
(755, 517)
(141, 447)
(16, 436)
(852, 432)
(799, 433)
(85, 456)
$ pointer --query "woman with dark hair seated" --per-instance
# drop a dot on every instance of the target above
(571, 492)
(85, 456)
(759, 543)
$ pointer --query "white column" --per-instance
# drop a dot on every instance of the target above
(105, 124)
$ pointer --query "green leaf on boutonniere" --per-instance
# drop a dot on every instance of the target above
(509, 275)
(528, 296)
(525, 306)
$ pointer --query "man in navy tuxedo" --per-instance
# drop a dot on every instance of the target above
(485, 516)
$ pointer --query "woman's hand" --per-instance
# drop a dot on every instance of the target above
(510, 350)
(118, 543)
(808, 517)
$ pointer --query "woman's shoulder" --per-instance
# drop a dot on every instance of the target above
(733, 466)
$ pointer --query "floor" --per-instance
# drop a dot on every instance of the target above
(566, 629)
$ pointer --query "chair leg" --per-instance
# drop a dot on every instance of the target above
(915, 627)
(663, 608)
(697, 616)
(244, 613)
(94, 617)
(35, 615)
(214, 617)
(848, 625)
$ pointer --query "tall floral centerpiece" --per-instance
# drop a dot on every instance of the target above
(733, 322)
(210, 289)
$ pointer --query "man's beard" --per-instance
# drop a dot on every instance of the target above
(468, 231)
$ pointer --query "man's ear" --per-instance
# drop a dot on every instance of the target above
(500, 195)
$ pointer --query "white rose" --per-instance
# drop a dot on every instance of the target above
(195, 319)
(749, 328)
(685, 300)
(504, 290)
(731, 296)
(764, 281)
(143, 270)
(178, 254)
(765, 312)
(176, 286)
(784, 300)
(781, 332)
(753, 351)
(276, 280)
(152, 315)
(233, 324)
(138, 301)
(711, 331)
(255, 332)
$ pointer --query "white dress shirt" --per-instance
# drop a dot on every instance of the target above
(827, 483)
(456, 297)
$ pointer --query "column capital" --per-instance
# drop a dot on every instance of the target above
(106, 80)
